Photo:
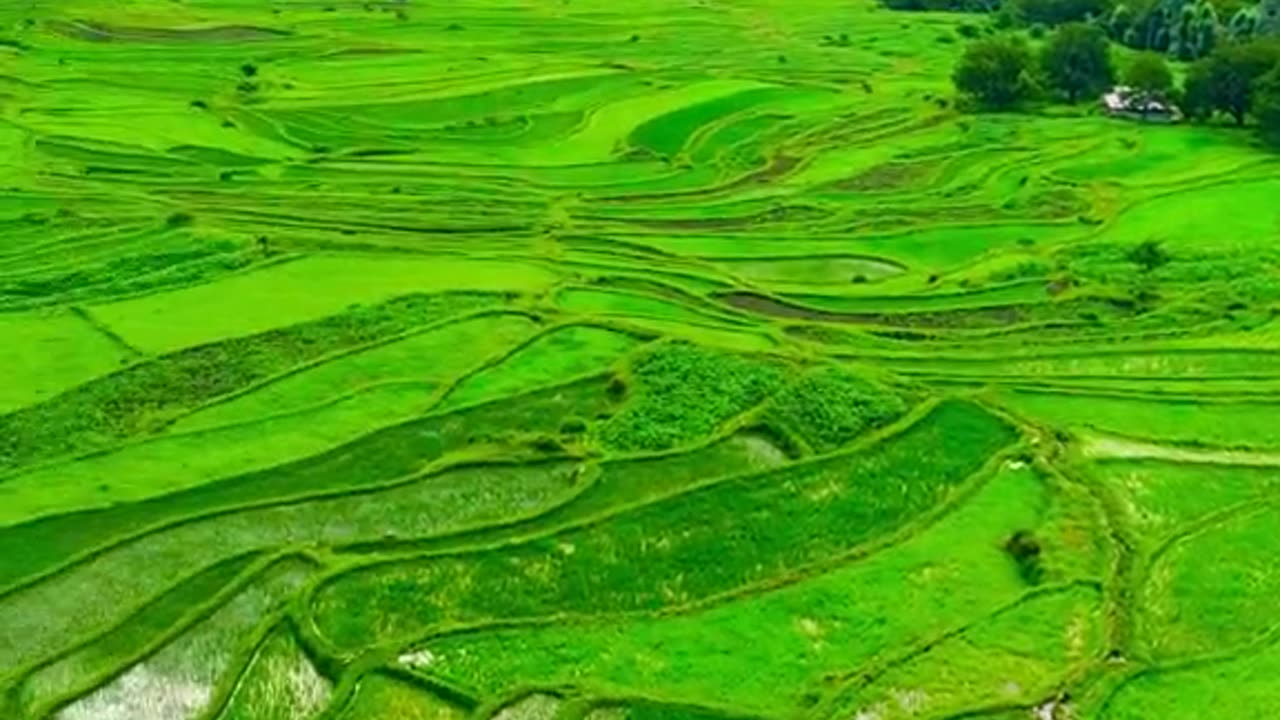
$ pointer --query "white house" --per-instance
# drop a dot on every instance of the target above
(1127, 102)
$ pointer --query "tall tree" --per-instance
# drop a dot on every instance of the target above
(995, 71)
(1243, 24)
(1149, 72)
(1077, 60)
(1224, 81)
(1056, 12)
(1266, 106)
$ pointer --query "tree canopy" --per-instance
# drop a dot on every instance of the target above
(1224, 81)
(1077, 60)
(995, 72)
(1149, 72)
(1266, 106)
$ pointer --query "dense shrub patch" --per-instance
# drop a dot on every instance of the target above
(830, 406)
(682, 392)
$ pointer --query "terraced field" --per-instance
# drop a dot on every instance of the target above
(584, 360)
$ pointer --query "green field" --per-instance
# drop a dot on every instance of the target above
(584, 360)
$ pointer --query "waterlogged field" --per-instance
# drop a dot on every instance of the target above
(585, 360)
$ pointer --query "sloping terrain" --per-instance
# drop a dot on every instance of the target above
(661, 360)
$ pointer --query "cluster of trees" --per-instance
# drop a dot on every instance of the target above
(1235, 79)
(1184, 29)
(1000, 72)
(1189, 29)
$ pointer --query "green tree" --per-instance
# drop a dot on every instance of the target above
(1198, 91)
(1242, 24)
(995, 72)
(1057, 12)
(1149, 72)
(1077, 60)
(1120, 22)
(1224, 81)
(1266, 106)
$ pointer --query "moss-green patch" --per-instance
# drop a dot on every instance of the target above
(682, 392)
(828, 407)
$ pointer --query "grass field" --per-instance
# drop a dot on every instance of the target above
(666, 360)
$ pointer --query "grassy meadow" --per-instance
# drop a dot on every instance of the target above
(585, 360)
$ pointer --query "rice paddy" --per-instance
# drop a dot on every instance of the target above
(668, 360)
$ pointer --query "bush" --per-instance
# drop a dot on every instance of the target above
(683, 392)
(1025, 550)
(831, 406)
(1148, 255)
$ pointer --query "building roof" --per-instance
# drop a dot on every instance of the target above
(1126, 99)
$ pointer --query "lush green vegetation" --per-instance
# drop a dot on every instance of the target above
(670, 361)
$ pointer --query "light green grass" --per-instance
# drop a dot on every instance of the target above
(45, 352)
(176, 462)
(557, 355)
(287, 293)
(425, 361)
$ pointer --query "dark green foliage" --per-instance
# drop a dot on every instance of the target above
(1198, 93)
(1077, 60)
(141, 398)
(1057, 12)
(1182, 28)
(944, 5)
(831, 406)
(1149, 72)
(1224, 81)
(995, 72)
(1025, 550)
(684, 392)
(1243, 24)
(1148, 255)
(1266, 106)
(686, 548)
